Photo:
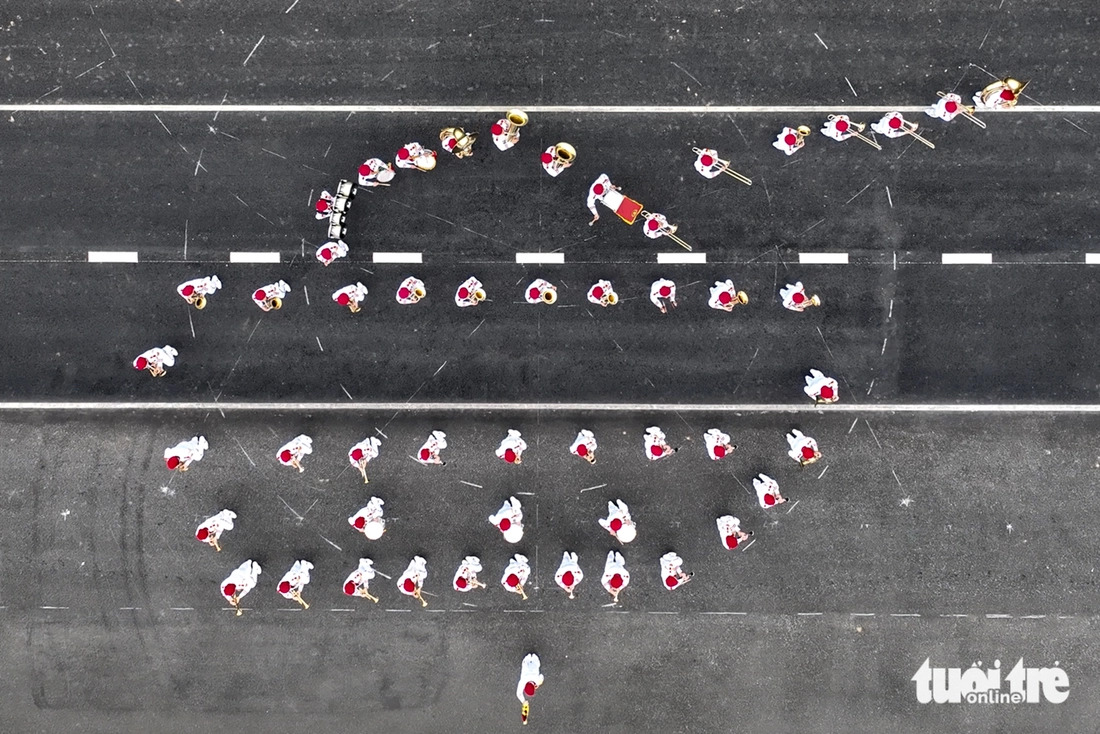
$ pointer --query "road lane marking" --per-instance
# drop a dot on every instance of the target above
(112, 256)
(967, 258)
(254, 257)
(540, 258)
(361, 109)
(823, 258)
(414, 258)
(681, 258)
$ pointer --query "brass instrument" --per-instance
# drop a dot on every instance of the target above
(479, 295)
(419, 293)
(612, 298)
(564, 154)
(742, 297)
(815, 300)
(726, 169)
(200, 302)
(908, 128)
(549, 296)
(464, 142)
(524, 712)
(967, 111)
(516, 119)
(298, 598)
(276, 303)
(669, 231)
(858, 132)
(993, 91)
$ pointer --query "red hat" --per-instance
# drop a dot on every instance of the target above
(671, 582)
(798, 297)
(451, 143)
(724, 297)
(285, 456)
(597, 292)
(403, 292)
(597, 189)
(567, 578)
(616, 524)
(284, 587)
(656, 450)
(357, 454)
(653, 224)
(326, 254)
(202, 534)
(790, 139)
(951, 105)
(807, 452)
(894, 122)
(1007, 94)
(403, 153)
(510, 456)
(349, 589)
(582, 450)
(616, 581)
(229, 589)
(343, 299)
(546, 158)
(173, 462)
(497, 129)
(665, 291)
(259, 295)
(826, 392)
(841, 126)
(769, 499)
(533, 293)
(706, 160)
(408, 585)
(461, 582)
(720, 451)
(360, 522)
(187, 290)
(512, 580)
(464, 292)
(731, 541)
(141, 363)
(365, 170)
(425, 454)
(322, 205)
(505, 523)
(529, 688)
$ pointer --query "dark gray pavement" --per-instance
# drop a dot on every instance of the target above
(111, 613)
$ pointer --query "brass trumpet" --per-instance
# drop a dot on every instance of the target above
(815, 300)
(858, 132)
(549, 296)
(967, 112)
(726, 169)
(479, 295)
(612, 298)
(419, 293)
(669, 230)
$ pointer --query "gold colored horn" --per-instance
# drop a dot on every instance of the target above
(803, 130)
(1015, 86)
(419, 293)
(815, 300)
(449, 132)
(612, 298)
(518, 118)
(479, 295)
(276, 303)
(549, 296)
(565, 153)
(200, 302)
(742, 297)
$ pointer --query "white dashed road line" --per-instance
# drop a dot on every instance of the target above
(967, 258)
(681, 258)
(398, 257)
(254, 257)
(106, 256)
(540, 258)
(823, 258)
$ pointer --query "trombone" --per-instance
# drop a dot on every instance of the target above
(726, 169)
(858, 132)
(669, 230)
(967, 112)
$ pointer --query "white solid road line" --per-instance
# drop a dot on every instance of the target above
(967, 258)
(397, 257)
(431, 407)
(104, 256)
(541, 258)
(823, 258)
(681, 258)
(254, 257)
(537, 109)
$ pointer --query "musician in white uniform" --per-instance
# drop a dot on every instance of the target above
(351, 296)
(657, 226)
(411, 291)
(470, 293)
(241, 581)
(804, 448)
(795, 299)
(724, 296)
(412, 581)
(369, 520)
(363, 453)
(707, 163)
(767, 491)
(718, 444)
(516, 574)
(569, 573)
(429, 452)
(466, 576)
(730, 532)
(619, 522)
(1002, 94)
(672, 571)
(790, 140)
(512, 447)
(156, 359)
(195, 291)
(415, 155)
(663, 294)
(509, 520)
(324, 207)
(820, 388)
(331, 251)
(946, 108)
(584, 446)
(211, 529)
(530, 677)
(893, 125)
(294, 581)
(838, 127)
(358, 581)
(615, 576)
(656, 444)
(180, 456)
(375, 172)
(271, 296)
(538, 290)
(292, 452)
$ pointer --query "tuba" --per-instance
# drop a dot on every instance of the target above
(564, 154)
(517, 119)
(549, 296)
(464, 142)
(200, 302)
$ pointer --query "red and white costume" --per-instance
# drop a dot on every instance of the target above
(723, 296)
(569, 574)
(516, 574)
(467, 293)
(820, 388)
(292, 452)
(998, 97)
(656, 445)
(530, 677)
(358, 581)
(512, 447)
(730, 532)
(534, 292)
(893, 125)
(803, 448)
(947, 108)
(708, 164)
(584, 446)
(505, 134)
(794, 297)
(415, 155)
(156, 359)
(364, 452)
(241, 581)
(191, 290)
(552, 164)
(615, 576)
(295, 580)
(369, 520)
(180, 456)
(351, 296)
(264, 296)
(211, 529)
(412, 581)
(331, 251)
(767, 491)
(325, 206)
(662, 291)
(605, 192)
(788, 141)
(656, 226)
(411, 291)
(509, 520)
(602, 294)
(429, 452)
(838, 127)
(618, 522)
(466, 576)
(718, 444)
(375, 172)
(672, 571)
